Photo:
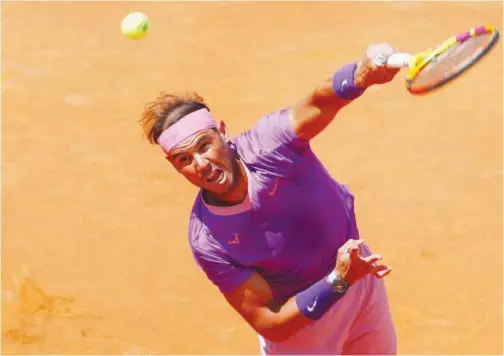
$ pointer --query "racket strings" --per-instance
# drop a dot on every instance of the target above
(449, 62)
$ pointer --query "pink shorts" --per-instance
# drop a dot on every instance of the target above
(358, 324)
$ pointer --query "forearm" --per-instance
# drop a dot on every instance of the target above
(254, 298)
(340, 88)
(315, 112)
(280, 323)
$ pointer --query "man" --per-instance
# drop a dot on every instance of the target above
(272, 229)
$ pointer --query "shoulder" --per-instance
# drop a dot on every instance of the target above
(201, 239)
(272, 135)
(197, 232)
(212, 258)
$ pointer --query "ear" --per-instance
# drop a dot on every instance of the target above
(223, 131)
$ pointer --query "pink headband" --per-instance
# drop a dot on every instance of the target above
(189, 125)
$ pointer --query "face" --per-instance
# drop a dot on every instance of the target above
(206, 160)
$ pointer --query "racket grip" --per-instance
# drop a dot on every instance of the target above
(395, 60)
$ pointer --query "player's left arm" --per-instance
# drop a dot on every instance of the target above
(313, 113)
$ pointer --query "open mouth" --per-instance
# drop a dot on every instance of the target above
(215, 176)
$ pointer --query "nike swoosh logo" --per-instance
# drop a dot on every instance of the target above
(312, 307)
(275, 187)
(344, 84)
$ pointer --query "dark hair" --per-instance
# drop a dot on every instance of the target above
(166, 110)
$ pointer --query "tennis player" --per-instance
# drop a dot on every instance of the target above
(272, 229)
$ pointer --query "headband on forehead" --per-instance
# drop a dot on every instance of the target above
(187, 126)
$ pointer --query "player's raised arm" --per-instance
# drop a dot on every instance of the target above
(314, 112)
(253, 299)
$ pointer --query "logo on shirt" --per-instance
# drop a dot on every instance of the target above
(235, 240)
(276, 241)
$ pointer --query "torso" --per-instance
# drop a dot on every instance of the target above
(290, 225)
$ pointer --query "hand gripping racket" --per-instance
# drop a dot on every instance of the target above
(437, 66)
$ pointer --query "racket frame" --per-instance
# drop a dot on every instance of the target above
(420, 60)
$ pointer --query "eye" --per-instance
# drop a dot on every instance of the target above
(184, 160)
(204, 147)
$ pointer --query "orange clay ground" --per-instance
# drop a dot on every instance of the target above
(95, 256)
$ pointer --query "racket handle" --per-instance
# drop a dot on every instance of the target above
(395, 60)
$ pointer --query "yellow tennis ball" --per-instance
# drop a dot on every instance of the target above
(135, 25)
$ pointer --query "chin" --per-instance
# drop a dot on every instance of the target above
(220, 189)
(223, 189)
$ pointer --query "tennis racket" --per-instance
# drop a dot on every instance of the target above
(435, 67)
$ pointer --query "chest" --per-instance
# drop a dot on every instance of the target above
(257, 238)
(286, 219)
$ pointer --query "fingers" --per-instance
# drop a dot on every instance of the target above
(380, 52)
(371, 259)
(383, 272)
(379, 270)
(354, 252)
(380, 49)
(353, 242)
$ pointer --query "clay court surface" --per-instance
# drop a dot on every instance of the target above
(95, 257)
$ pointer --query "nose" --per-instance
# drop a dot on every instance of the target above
(202, 163)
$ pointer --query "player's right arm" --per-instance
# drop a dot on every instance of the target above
(253, 299)
(315, 111)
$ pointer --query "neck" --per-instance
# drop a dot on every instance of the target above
(236, 194)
